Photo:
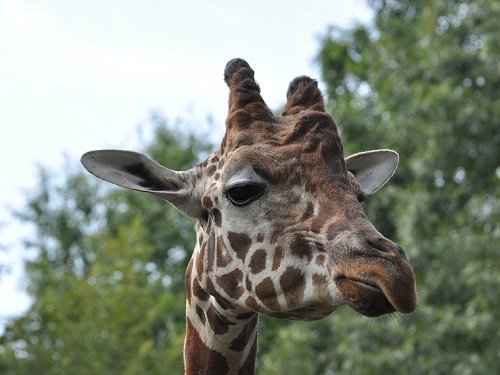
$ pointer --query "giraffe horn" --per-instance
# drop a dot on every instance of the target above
(244, 93)
(241, 67)
(303, 93)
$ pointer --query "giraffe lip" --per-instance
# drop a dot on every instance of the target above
(364, 297)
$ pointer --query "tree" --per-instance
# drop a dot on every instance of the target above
(107, 278)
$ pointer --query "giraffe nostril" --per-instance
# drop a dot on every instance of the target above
(385, 246)
(377, 243)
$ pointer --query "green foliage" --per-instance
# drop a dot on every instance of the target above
(107, 274)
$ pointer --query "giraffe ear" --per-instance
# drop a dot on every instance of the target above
(133, 170)
(372, 169)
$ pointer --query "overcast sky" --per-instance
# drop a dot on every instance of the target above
(77, 76)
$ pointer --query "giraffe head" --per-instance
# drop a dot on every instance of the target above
(280, 227)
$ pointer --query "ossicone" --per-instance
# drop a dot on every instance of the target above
(303, 93)
(245, 102)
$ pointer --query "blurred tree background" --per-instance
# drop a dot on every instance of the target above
(423, 79)
(108, 279)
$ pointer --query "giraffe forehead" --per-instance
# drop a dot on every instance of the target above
(289, 147)
(287, 167)
(304, 128)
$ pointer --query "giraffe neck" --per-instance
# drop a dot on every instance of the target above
(217, 343)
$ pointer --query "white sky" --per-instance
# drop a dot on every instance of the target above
(77, 76)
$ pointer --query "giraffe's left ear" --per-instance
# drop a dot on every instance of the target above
(133, 170)
(372, 169)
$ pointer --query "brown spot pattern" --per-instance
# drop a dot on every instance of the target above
(248, 283)
(260, 237)
(207, 202)
(209, 287)
(219, 327)
(324, 215)
(245, 315)
(267, 294)
(200, 359)
(293, 284)
(211, 251)
(224, 303)
(319, 283)
(200, 313)
(199, 292)
(217, 217)
(241, 341)
(223, 258)
(199, 260)
(240, 242)
(208, 227)
(278, 257)
(252, 304)
(258, 261)
(231, 283)
(211, 170)
(301, 248)
(248, 367)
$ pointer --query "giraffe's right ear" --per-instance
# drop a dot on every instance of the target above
(133, 170)
(372, 169)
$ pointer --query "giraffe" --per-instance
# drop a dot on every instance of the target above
(280, 229)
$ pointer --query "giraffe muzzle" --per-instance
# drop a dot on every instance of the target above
(378, 285)
(364, 298)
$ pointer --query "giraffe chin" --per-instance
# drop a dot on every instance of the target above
(308, 313)
(365, 299)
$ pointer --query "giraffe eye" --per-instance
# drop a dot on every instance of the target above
(244, 194)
